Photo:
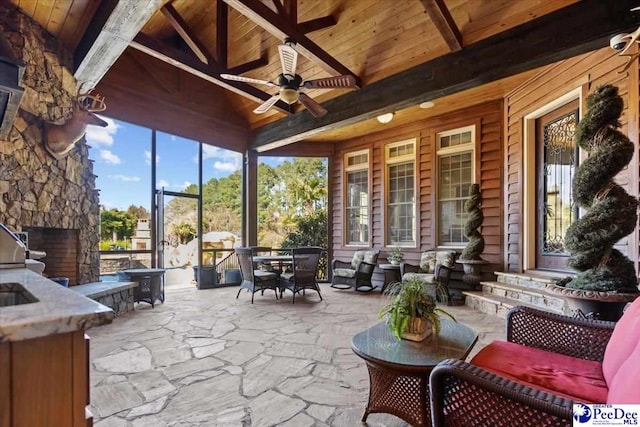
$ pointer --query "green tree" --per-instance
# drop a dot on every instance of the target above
(116, 224)
(184, 231)
(138, 212)
(311, 230)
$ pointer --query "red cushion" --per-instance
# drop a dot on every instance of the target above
(625, 387)
(562, 375)
(623, 341)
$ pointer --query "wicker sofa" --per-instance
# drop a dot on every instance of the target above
(548, 363)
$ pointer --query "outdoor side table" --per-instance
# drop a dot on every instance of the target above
(150, 284)
(399, 369)
(391, 274)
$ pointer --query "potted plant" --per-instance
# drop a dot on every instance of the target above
(412, 313)
(470, 257)
(606, 278)
(395, 256)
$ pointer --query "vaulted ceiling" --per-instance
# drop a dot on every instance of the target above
(162, 60)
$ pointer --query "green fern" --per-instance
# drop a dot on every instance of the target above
(410, 299)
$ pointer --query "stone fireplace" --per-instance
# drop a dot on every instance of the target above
(61, 247)
(54, 200)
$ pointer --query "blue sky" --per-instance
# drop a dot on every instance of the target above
(122, 160)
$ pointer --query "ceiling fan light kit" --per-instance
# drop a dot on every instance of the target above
(385, 118)
(288, 95)
(291, 84)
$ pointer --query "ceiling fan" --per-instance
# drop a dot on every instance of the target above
(291, 84)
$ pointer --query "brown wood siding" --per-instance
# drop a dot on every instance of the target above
(587, 71)
(488, 120)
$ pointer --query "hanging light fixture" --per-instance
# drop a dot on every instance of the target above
(385, 118)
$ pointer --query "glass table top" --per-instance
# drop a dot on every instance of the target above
(454, 341)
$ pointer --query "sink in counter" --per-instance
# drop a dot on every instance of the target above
(32, 306)
(15, 294)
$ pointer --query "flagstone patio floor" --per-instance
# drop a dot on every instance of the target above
(204, 358)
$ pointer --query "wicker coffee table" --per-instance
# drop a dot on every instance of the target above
(399, 369)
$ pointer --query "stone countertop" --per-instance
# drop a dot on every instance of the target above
(57, 310)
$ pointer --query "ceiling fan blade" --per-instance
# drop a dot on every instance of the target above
(288, 59)
(314, 108)
(267, 104)
(246, 79)
(337, 82)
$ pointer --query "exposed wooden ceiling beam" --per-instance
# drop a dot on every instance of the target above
(183, 30)
(142, 109)
(291, 6)
(280, 8)
(567, 32)
(442, 19)
(317, 24)
(210, 72)
(222, 34)
(248, 66)
(112, 28)
(281, 28)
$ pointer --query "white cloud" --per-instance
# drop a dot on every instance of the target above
(125, 178)
(162, 183)
(109, 157)
(97, 135)
(225, 166)
(209, 151)
(184, 185)
(147, 157)
(107, 204)
(225, 160)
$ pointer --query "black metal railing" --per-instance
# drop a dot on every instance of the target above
(223, 259)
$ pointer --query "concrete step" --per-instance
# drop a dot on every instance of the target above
(494, 304)
(533, 296)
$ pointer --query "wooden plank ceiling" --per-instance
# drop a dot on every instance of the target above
(373, 39)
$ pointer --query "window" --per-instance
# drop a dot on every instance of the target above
(455, 175)
(357, 197)
(401, 199)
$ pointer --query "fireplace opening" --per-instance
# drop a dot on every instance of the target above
(61, 246)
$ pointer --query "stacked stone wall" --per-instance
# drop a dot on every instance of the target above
(37, 190)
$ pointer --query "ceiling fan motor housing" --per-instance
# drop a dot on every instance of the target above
(290, 82)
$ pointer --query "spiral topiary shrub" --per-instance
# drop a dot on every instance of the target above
(611, 211)
(474, 220)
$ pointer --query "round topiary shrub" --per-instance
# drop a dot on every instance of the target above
(474, 220)
(611, 211)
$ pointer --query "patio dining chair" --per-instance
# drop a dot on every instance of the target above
(254, 280)
(303, 276)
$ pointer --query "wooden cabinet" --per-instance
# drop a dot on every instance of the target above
(45, 381)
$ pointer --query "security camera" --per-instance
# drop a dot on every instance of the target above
(619, 41)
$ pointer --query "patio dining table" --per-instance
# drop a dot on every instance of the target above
(280, 259)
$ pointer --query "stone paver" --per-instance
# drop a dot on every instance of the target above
(204, 358)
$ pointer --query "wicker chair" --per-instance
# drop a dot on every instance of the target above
(434, 269)
(357, 272)
(254, 280)
(303, 276)
(548, 363)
